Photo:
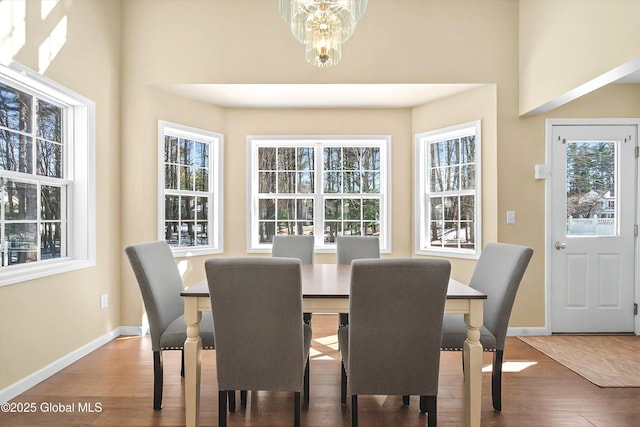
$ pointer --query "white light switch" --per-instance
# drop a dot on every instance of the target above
(511, 217)
(540, 171)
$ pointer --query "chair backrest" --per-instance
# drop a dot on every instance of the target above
(349, 248)
(294, 247)
(396, 309)
(257, 317)
(160, 284)
(498, 274)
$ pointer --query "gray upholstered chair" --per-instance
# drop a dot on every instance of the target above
(299, 246)
(160, 284)
(294, 247)
(498, 274)
(349, 248)
(392, 343)
(261, 340)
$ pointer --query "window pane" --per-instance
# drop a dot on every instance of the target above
(286, 209)
(305, 158)
(50, 240)
(371, 182)
(451, 208)
(332, 209)
(21, 201)
(49, 119)
(187, 233)
(591, 188)
(170, 149)
(351, 229)
(266, 182)
(371, 158)
(202, 235)
(187, 207)
(15, 152)
(22, 244)
(332, 182)
(468, 149)
(467, 177)
(186, 152)
(202, 179)
(351, 182)
(305, 209)
(171, 208)
(267, 209)
(49, 159)
(331, 230)
(332, 158)
(286, 182)
(50, 201)
(16, 109)
(171, 232)
(186, 178)
(267, 158)
(371, 209)
(201, 156)
(202, 208)
(467, 208)
(171, 177)
(266, 231)
(287, 158)
(305, 182)
(352, 209)
(351, 158)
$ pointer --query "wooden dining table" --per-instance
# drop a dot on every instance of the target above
(325, 289)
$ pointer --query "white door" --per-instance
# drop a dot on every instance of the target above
(593, 197)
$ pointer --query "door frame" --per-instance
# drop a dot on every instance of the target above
(548, 241)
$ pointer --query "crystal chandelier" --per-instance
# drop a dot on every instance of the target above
(322, 26)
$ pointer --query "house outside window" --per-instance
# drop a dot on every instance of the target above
(447, 183)
(190, 183)
(47, 211)
(325, 186)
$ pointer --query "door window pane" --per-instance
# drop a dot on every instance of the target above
(591, 188)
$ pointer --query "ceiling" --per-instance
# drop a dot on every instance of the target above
(318, 95)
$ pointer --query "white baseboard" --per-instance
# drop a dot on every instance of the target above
(26, 383)
(514, 332)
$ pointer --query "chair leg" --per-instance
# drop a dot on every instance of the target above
(306, 318)
(243, 398)
(354, 410)
(405, 400)
(496, 380)
(182, 363)
(306, 383)
(343, 319)
(296, 409)
(222, 408)
(232, 400)
(343, 385)
(157, 380)
(429, 405)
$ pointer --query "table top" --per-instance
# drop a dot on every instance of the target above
(333, 281)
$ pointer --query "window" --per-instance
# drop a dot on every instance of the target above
(448, 191)
(190, 183)
(47, 208)
(323, 186)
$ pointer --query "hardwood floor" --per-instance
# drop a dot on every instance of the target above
(113, 387)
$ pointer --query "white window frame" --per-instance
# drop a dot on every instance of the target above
(79, 175)
(319, 141)
(422, 184)
(215, 212)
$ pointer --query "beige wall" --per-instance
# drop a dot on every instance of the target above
(43, 320)
(566, 43)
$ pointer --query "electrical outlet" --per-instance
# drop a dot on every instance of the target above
(104, 300)
(511, 217)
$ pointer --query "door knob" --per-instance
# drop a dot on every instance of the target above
(559, 246)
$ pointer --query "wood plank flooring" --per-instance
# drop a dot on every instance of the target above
(113, 387)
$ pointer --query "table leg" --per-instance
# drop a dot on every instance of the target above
(192, 364)
(473, 365)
